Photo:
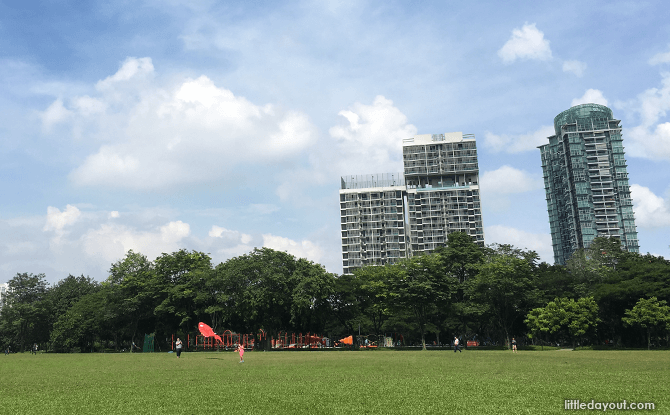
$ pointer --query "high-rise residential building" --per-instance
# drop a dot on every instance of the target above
(442, 176)
(372, 209)
(388, 217)
(586, 181)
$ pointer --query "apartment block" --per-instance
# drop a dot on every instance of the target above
(387, 217)
(442, 176)
(586, 181)
(372, 209)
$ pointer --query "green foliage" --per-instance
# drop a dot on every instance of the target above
(649, 314)
(420, 284)
(24, 317)
(272, 290)
(460, 289)
(565, 316)
(504, 287)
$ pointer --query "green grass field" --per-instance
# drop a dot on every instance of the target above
(331, 382)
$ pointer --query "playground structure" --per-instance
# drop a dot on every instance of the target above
(299, 341)
(207, 339)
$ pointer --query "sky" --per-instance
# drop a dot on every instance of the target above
(223, 126)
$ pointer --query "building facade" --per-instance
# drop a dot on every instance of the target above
(442, 176)
(586, 181)
(372, 210)
(388, 217)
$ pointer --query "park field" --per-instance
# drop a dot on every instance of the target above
(331, 382)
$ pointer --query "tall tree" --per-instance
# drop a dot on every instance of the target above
(184, 278)
(504, 287)
(131, 295)
(24, 316)
(650, 314)
(421, 285)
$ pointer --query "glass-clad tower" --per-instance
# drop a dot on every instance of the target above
(586, 181)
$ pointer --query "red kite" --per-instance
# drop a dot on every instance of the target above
(207, 331)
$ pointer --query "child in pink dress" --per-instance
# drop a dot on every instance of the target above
(241, 350)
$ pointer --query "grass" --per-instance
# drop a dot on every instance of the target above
(360, 382)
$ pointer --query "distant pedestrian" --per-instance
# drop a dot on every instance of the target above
(178, 347)
(457, 346)
(240, 349)
(34, 349)
(513, 345)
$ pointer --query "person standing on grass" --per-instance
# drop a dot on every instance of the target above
(178, 347)
(513, 345)
(240, 349)
(457, 346)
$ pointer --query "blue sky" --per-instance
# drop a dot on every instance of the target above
(220, 127)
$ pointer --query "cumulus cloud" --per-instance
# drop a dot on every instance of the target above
(57, 220)
(508, 180)
(525, 43)
(651, 211)
(111, 241)
(131, 68)
(663, 57)
(517, 144)
(651, 138)
(591, 96)
(54, 114)
(304, 249)
(219, 232)
(538, 242)
(575, 67)
(155, 134)
(370, 138)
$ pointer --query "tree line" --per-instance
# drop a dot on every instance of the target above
(602, 296)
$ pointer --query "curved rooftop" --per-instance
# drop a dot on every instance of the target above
(581, 112)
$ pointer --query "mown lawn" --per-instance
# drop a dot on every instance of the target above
(331, 382)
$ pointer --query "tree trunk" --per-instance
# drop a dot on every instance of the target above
(423, 338)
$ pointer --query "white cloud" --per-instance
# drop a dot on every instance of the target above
(219, 232)
(538, 242)
(189, 132)
(304, 249)
(111, 241)
(57, 220)
(131, 68)
(576, 67)
(54, 114)
(525, 43)
(508, 180)
(370, 141)
(651, 211)
(88, 106)
(591, 96)
(663, 57)
(114, 214)
(518, 144)
(651, 139)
